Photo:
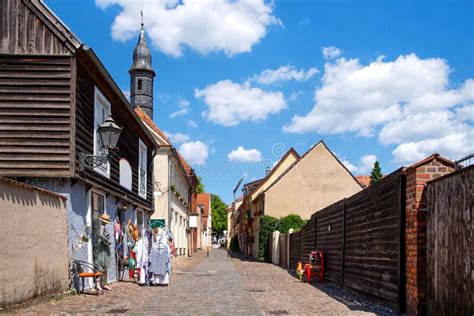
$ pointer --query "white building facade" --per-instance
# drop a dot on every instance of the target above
(174, 183)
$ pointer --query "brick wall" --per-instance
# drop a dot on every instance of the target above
(415, 236)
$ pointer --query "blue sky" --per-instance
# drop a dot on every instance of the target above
(395, 84)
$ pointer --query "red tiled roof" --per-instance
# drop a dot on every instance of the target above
(204, 199)
(186, 166)
(163, 140)
(364, 181)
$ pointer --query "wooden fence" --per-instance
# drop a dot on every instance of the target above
(450, 244)
(362, 238)
(294, 249)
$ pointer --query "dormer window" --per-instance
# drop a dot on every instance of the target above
(139, 84)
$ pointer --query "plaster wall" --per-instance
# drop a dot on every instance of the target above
(178, 223)
(161, 176)
(77, 206)
(315, 182)
(33, 240)
(280, 169)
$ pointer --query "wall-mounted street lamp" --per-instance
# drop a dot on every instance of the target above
(158, 190)
(109, 133)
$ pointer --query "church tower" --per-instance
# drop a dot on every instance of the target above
(142, 76)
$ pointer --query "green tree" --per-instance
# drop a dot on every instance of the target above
(291, 221)
(268, 224)
(218, 214)
(376, 174)
(200, 187)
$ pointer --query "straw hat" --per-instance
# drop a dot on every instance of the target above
(105, 218)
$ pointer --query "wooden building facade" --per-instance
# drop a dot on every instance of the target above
(48, 86)
(54, 93)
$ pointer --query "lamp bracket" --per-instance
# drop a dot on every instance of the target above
(91, 161)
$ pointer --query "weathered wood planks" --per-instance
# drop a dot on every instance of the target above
(450, 244)
(23, 32)
(34, 115)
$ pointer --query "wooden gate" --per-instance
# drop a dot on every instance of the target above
(450, 245)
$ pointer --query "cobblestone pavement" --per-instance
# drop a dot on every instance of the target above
(214, 286)
(278, 292)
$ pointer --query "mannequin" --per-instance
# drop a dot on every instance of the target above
(103, 260)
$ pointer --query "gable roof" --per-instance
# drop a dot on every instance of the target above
(161, 137)
(268, 176)
(82, 51)
(164, 141)
(432, 157)
(54, 24)
(249, 186)
(321, 142)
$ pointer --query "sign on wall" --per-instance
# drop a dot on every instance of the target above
(193, 221)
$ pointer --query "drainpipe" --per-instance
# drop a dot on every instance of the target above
(169, 189)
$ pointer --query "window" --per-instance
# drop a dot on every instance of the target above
(139, 84)
(140, 222)
(101, 113)
(125, 174)
(142, 174)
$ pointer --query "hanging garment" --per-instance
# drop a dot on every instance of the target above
(142, 258)
(160, 258)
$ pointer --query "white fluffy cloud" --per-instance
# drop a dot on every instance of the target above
(195, 152)
(177, 138)
(230, 26)
(409, 102)
(365, 165)
(183, 106)
(231, 103)
(245, 155)
(330, 52)
(454, 145)
(284, 73)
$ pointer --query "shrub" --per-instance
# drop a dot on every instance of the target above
(268, 224)
(291, 221)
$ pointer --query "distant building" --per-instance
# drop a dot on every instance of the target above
(298, 185)
(174, 185)
(203, 201)
(247, 223)
(364, 181)
(315, 181)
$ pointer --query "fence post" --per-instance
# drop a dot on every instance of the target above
(343, 242)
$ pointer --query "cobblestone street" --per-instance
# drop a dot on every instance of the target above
(216, 286)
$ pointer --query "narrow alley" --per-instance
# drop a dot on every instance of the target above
(217, 286)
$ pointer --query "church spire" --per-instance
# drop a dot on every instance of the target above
(142, 75)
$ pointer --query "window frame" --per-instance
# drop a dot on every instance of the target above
(100, 103)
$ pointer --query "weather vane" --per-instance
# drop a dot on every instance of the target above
(141, 13)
